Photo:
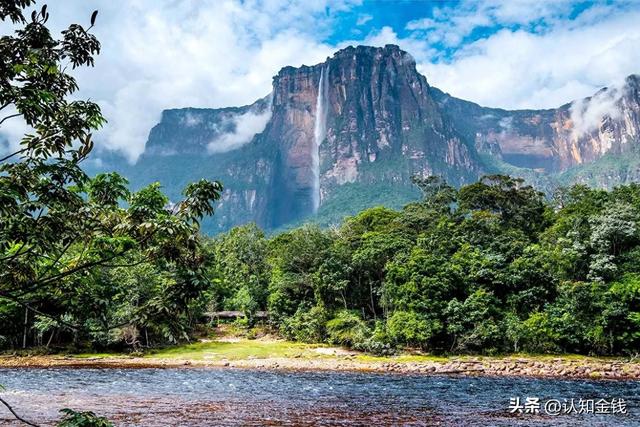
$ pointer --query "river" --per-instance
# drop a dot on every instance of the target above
(228, 397)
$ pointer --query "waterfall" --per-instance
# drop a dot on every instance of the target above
(319, 133)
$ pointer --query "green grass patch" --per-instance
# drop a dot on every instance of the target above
(551, 357)
(243, 349)
(96, 355)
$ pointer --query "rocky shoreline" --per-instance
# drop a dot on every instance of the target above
(558, 367)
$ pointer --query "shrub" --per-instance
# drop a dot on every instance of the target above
(379, 342)
(348, 329)
(306, 325)
(538, 335)
(411, 328)
(82, 419)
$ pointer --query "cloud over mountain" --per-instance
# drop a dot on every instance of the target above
(212, 53)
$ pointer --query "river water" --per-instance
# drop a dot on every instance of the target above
(228, 397)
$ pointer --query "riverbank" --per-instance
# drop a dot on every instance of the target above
(282, 355)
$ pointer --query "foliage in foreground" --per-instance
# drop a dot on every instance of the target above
(67, 240)
(72, 418)
(64, 236)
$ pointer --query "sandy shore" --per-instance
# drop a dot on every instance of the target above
(564, 367)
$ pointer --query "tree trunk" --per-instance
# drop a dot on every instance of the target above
(373, 304)
(26, 324)
(51, 337)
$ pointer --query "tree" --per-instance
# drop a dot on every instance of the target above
(56, 225)
(239, 266)
(475, 323)
(373, 239)
(58, 228)
(413, 329)
(517, 205)
(620, 319)
(347, 328)
(295, 257)
(416, 291)
(613, 232)
(82, 419)
(538, 334)
(437, 194)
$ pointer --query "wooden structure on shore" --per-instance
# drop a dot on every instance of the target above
(235, 314)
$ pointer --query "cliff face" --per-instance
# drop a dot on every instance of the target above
(363, 116)
(553, 141)
(381, 110)
(350, 133)
(200, 130)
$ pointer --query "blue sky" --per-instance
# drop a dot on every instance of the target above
(369, 16)
(160, 54)
(372, 15)
(403, 16)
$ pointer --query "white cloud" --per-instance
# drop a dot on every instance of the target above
(363, 19)
(191, 120)
(587, 114)
(522, 69)
(525, 11)
(193, 53)
(450, 25)
(216, 53)
(246, 126)
(418, 48)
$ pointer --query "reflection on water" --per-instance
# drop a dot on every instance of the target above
(210, 397)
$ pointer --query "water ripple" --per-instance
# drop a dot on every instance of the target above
(206, 397)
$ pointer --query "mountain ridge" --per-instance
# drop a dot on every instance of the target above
(382, 124)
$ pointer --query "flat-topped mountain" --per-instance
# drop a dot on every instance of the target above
(350, 132)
